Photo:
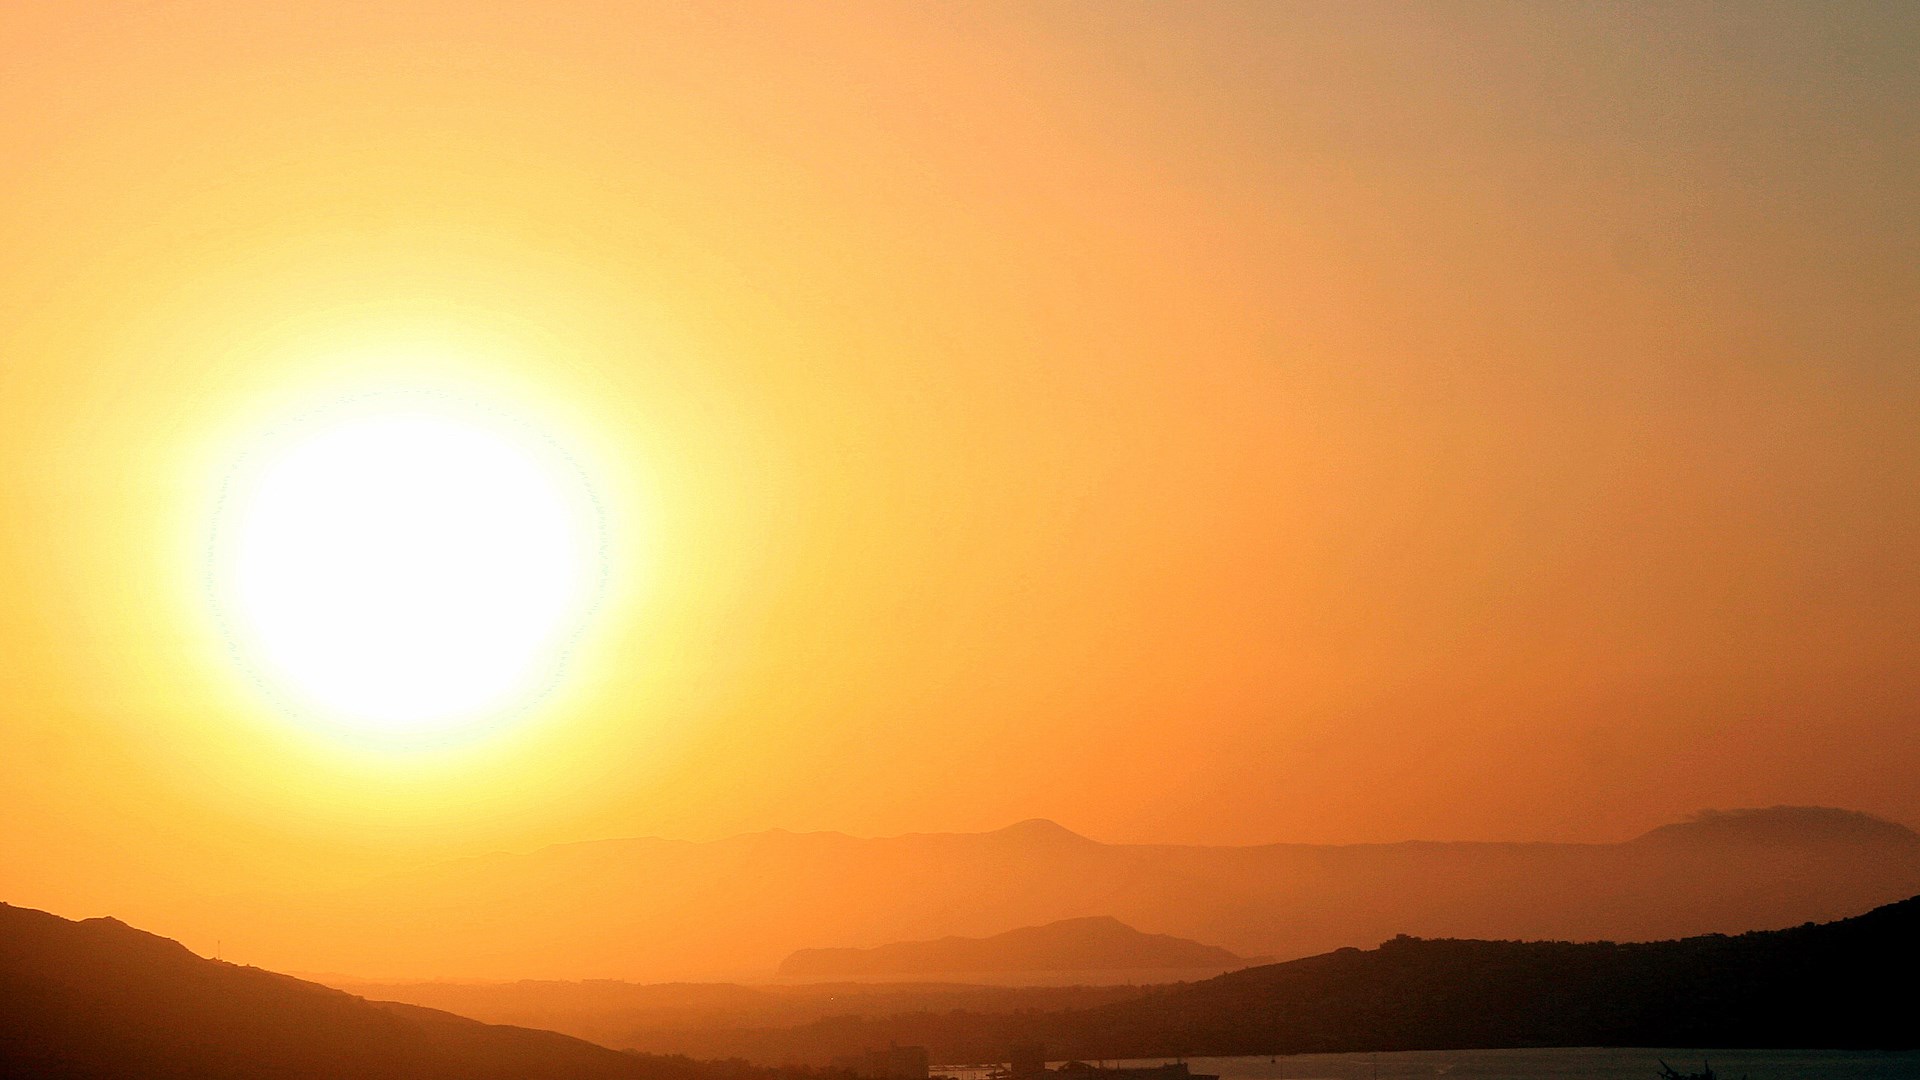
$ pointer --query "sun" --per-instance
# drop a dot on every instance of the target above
(406, 567)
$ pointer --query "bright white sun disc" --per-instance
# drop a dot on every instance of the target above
(405, 569)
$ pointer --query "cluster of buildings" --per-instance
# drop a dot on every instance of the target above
(1027, 1062)
(893, 1063)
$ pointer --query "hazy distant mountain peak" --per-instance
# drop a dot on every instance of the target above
(1783, 825)
(1042, 830)
(1090, 943)
(1094, 922)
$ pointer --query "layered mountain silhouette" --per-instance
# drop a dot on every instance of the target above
(656, 910)
(1845, 984)
(1097, 943)
(100, 999)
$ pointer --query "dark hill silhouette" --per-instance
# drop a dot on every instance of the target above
(660, 910)
(1840, 985)
(1095, 943)
(99, 999)
(1807, 826)
(1845, 984)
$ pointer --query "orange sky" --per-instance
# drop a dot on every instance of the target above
(1216, 423)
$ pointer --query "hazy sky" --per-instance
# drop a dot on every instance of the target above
(1190, 422)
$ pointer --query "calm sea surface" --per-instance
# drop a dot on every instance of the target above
(1572, 1063)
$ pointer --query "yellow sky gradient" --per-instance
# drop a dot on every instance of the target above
(1218, 423)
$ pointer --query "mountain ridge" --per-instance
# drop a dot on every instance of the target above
(1089, 943)
(1780, 820)
(1829, 985)
(1778, 824)
(1834, 985)
(102, 999)
(732, 910)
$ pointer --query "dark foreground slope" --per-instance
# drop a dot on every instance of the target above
(101, 999)
(1846, 984)
(1092, 944)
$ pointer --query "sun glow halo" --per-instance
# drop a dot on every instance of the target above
(406, 568)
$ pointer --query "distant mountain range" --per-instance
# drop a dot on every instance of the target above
(1845, 984)
(655, 910)
(99, 999)
(102, 1000)
(1841, 985)
(1093, 945)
